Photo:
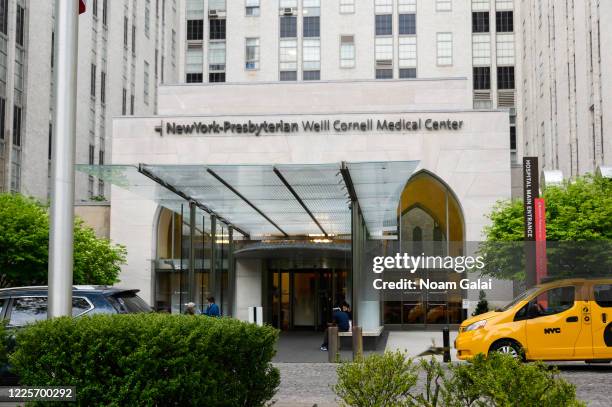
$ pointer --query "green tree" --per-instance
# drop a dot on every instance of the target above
(578, 230)
(24, 247)
(483, 304)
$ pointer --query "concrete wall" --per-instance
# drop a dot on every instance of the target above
(249, 280)
(95, 215)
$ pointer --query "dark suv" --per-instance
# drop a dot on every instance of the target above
(23, 305)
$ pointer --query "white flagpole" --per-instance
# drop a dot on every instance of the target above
(62, 176)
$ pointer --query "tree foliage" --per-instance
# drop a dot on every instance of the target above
(578, 231)
(24, 247)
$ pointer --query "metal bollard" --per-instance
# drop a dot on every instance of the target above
(357, 342)
(446, 344)
(332, 344)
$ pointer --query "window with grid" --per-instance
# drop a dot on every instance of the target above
(504, 4)
(92, 81)
(193, 64)
(504, 21)
(444, 47)
(481, 5)
(288, 55)
(147, 17)
(17, 126)
(103, 87)
(217, 29)
(384, 49)
(218, 5)
(482, 78)
(252, 8)
(194, 10)
(407, 52)
(19, 28)
(505, 77)
(252, 53)
(311, 58)
(288, 27)
(288, 3)
(195, 30)
(505, 49)
(92, 154)
(347, 51)
(444, 5)
(288, 76)
(216, 56)
(311, 75)
(384, 24)
(4, 16)
(383, 6)
(216, 77)
(407, 73)
(384, 73)
(312, 27)
(481, 50)
(480, 22)
(347, 6)
(406, 6)
(407, 24)
(146, 83)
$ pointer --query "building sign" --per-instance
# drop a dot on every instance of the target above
(531, 191)
(271, 127)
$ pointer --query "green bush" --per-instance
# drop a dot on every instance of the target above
(151, 359)
(376, 381)
(494, 381)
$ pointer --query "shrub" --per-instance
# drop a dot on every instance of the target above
(151, 359)
(376, 381)
(483, 304)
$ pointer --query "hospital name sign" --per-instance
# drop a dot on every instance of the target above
(198, 128)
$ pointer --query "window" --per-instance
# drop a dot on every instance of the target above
(407, 52)
(132, 103)
(505, 77)
(193, 64)
(288, 55)
(17, 126)
(444, 48)
(483, 5)
(194, 10)
(92, 154)
(94, 8)
(104, 12)
(288, 3)
(92, 81)
(312, 27)
(101, 155)
(252, 53)
(2, 117)
(480, 22)
(90, 186)
(553, 301)
(216, 56)
(194, 77)
(384, 49)
(195, 30)
(383, 6)
(100, 187)
(481, 49)
(146, 83)
(513, 138)
(133, 39)
(444, 5)
(217, 29)
(218, 5)
(603, 295)
(406, 6)
(384, 73)
(4, 16)
(505, 49)
(347, 51)
(147, 17)
(407, 73)
(504, 21)
(312, 75)
(384, 24)
(407, 24)
(482, 78)
(288, 27)
(311, 49)
(504, 4)
(103, 87)
(124, 102)
(19, 29)
(125, 32)
(27, 310)
(288, 76)
(128, 302)
(347, 6)
(252, 8)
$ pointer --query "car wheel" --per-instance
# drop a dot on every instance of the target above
(508, 347)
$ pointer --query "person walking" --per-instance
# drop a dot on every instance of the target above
(212, 310)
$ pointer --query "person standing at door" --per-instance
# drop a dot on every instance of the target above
(340, 319)
(212, 310)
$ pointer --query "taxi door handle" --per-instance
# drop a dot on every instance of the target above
(572, 319)
(604, 317)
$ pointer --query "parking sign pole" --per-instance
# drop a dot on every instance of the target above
(61, 213)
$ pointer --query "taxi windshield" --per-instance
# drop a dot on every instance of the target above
(518, 299)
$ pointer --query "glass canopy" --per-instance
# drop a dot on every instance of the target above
(273, 200)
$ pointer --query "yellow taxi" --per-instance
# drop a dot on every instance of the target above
(561, 320)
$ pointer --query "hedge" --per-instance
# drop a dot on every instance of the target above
(151, 359)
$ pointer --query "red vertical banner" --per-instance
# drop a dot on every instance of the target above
(540, 237)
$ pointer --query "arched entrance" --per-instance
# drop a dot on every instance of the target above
(431, 223)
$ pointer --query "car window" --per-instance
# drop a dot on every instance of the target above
(552, 301)
(603, 295)
(128, 302)
(27, 310)
(519, 298)
(2, 304)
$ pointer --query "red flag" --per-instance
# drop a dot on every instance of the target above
(540, 234)
(81, 6)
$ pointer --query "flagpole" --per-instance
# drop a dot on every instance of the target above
(61, 228)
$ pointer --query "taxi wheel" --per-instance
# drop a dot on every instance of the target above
(508, 347)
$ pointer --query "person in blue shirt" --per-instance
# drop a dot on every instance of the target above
(341, 319)
(212, 310)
